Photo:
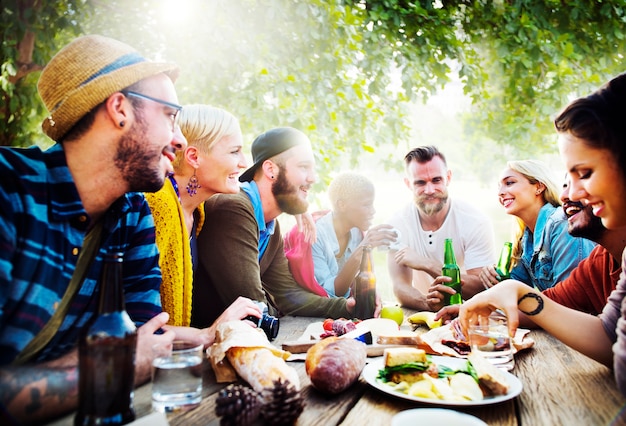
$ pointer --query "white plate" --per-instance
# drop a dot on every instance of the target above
(435, 416)
(371, 371)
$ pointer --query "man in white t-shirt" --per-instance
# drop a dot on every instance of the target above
(424, 225)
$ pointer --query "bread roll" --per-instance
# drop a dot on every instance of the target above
(334, 364)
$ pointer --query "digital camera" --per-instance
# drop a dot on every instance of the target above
(267, 323)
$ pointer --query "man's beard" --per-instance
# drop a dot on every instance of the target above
(592, 229)
(286, 196)
(431, 209)
(139, 166)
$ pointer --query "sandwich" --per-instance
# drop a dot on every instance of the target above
(491, 379)
(406, 364)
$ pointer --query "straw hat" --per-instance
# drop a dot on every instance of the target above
(85, 73)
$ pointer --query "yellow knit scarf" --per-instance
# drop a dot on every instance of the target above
(175, 253)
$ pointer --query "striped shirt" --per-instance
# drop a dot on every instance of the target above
(42, 226)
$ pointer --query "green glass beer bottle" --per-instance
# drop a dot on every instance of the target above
(503, 268)
(451, 269)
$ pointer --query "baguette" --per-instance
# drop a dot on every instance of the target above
(261, 368)
(489, 376)
(245, 351)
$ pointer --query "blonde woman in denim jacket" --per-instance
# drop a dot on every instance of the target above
(544, 253)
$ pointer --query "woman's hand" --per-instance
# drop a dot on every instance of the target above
(238, 310)
(306, 225)
(504, 296)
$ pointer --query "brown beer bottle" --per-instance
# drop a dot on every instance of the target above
(106, 355)
(365, 287)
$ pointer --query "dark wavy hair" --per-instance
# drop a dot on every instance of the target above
(423, 154)
(599, 120)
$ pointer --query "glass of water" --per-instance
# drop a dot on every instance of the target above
(491, 339)
(176, 376)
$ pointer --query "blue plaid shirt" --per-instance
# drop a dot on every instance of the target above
(42, 226)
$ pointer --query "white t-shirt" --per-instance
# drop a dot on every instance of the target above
(471, 232)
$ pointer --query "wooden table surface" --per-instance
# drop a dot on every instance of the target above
(560, 387)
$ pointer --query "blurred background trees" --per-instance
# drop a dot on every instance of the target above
(353, 74)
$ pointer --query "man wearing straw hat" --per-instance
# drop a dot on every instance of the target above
(112, 114)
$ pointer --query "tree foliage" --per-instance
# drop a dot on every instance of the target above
(344, 71)
(30, 32)
(520, 61)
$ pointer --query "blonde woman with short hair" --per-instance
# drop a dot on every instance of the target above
(209, 165)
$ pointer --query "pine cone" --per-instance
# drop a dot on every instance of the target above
(283, 404)
(238, 405)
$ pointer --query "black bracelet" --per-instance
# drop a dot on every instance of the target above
(539, 300)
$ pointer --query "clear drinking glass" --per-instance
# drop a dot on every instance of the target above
(491, 339)
(176, 376)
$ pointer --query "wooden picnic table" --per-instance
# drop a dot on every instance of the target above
(560, 386)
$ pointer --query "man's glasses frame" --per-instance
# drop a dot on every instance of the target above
(175, 107)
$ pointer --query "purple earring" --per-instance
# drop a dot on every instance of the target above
(193, 185)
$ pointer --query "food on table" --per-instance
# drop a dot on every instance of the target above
(328, 324)
(450, 340)
(411, 371)
(334, 364)
(399, 337)
(489, 376)
(425, 317)
(393, 312)
(338, 327)
(459, 342)
(245, 351)
(407, 365)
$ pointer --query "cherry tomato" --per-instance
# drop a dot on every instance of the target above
(328, 324)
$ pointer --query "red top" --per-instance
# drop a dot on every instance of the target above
(590, 284)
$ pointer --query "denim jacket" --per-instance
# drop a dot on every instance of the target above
(553, 254)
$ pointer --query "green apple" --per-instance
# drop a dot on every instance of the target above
(393, 312)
